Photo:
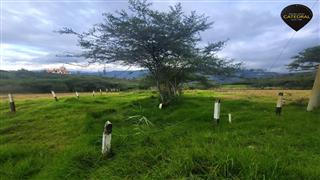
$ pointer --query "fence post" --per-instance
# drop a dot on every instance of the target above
(77, 94)
(279, 104)
(54, 95)
(106, 138)
(314, 101)
(216, 115)
(12, 105)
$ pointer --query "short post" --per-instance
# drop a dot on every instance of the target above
(160, 106)
(106, 90)
(93, 93)
(229, 115)
(216, 114)
(106, 138)
(279, 104)
(314, 101)
(77, 94)
(100, 92)
(12, 105)
(54, 95)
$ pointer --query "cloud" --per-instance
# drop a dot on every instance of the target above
(255, 31)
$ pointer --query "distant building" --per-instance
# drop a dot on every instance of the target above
(61, 70)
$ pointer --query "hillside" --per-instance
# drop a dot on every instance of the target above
(23, 81)
(63, 140)
(288, 81)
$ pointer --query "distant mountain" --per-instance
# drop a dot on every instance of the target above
(244, 75)
(116, 74)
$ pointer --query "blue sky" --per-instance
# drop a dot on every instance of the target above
(256, 33)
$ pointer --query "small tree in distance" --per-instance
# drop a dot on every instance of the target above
(165, 43)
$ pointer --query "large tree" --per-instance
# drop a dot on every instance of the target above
(307, 59)
(165, 43)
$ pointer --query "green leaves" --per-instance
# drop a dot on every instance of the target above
(306, 60)
(165, 43)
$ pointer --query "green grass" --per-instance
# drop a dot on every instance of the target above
(45, 139)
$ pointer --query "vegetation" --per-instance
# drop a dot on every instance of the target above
(308, 59)
(45, 139)
(23, 81)
(165, 43)
(288, 81)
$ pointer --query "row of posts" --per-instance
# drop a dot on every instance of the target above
(93, 93)
(217, 104)
(13, 107)
(217, 109)
(106, 136)
(107, 132)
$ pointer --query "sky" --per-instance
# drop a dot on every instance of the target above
(256, 34)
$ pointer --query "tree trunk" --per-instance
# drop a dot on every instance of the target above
(314, 101)
(160, 91)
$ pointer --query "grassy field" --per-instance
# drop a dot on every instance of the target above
(45, 139)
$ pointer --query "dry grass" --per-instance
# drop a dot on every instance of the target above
(290, 95)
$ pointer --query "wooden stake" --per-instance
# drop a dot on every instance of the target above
(229, 115)
(106, 138)
(12, 105)
(279, 104)
(216, 114)
(314, 101)
(54, 95)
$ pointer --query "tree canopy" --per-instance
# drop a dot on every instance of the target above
(308, 59)
(165, 43)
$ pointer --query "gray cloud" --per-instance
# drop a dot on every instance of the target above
(255, 30)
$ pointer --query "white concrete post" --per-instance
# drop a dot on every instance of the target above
(216, 115)
(230, 120)
(314, 101)
(77, 94)
(54, 95)
(279, 104)
(93, 93)
(12, 105)
(106, 138)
